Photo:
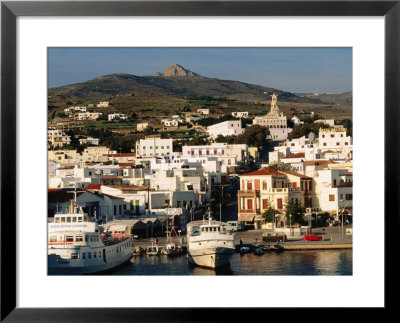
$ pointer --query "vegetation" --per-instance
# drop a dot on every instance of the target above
(294, 211)
(269, 215)
(305, 129)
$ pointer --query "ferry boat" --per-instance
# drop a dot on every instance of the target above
(77, 247)
(210, 243)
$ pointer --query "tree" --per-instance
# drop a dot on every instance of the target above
(280, 166)
(269, 215)
(296, 210)
(348, 124)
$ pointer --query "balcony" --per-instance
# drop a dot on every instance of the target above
(247, 211)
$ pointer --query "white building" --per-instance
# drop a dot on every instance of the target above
(335, 188)
(203, 111)
(120, 116)
(79, 109)
(333, 138)
(87, 115)
(153, 147)
(143, 125)
(296, 121)
(103, 105)
(89, 141)
(170, 122)
(57, 138)
(330, 122)
(244, 114)
(226, 128)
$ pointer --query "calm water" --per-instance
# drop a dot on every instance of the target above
(315, 262)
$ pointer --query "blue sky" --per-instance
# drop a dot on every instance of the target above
(290, 69)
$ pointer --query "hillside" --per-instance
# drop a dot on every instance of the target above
(345, 99)
(175, 81)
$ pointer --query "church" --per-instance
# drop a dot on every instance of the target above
(275, 121)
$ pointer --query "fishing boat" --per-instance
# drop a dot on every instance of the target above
(171, 248)
(76, 245)
(210, 243)
(153, 249)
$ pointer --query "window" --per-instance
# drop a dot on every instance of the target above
(332, 136)
(57, 220)
(349, 197)
(74, 219)
(115, 210)
(120, 209)
(69, 238)
(331, 197)
(84, 256)
(249, 186)
(89, 255)
(74, 256)
(324, 143)
(79, 239)
(264, 185)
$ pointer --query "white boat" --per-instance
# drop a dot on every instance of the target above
(76, 246)
(210, 243)
(171, 248)
(153, 249)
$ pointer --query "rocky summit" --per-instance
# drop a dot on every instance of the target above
(175, 70)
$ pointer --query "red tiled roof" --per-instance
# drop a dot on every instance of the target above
(298, 155)
(129, 187)
(126, 164)
(93, 186)
(121, 155)
(261, 172)
(54, 189)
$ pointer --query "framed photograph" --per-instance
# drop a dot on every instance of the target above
(229, 45)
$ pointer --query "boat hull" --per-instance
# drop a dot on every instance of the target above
(60, 266)
(210, 257)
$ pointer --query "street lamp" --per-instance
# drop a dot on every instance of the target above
(290, 224)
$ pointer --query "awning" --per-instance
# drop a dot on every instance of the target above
(246, 217)
(116, 227)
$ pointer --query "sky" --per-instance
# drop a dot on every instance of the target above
(298, 70)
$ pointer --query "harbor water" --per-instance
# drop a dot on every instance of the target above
(286, 263)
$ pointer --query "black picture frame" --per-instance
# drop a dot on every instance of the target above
(10, 10)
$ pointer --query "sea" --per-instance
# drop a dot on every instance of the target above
(284, 263)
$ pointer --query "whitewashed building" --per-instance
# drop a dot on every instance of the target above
(226, 128)
(153, 147)
(89, 141)
(57, 138)
(243, 114)
(120, 116)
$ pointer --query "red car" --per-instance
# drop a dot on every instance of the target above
(312, 237)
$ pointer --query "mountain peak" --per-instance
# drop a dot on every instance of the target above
(176, 70)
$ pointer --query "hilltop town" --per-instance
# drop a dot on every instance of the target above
(281, 167)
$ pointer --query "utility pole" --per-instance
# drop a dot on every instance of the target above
(220, 204)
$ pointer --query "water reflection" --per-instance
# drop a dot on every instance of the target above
(317, 262)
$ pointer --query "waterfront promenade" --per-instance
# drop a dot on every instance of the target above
(332, 239)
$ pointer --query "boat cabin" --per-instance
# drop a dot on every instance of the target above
(71, 218)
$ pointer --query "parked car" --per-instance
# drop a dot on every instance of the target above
(274, 236)
(312, 237)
